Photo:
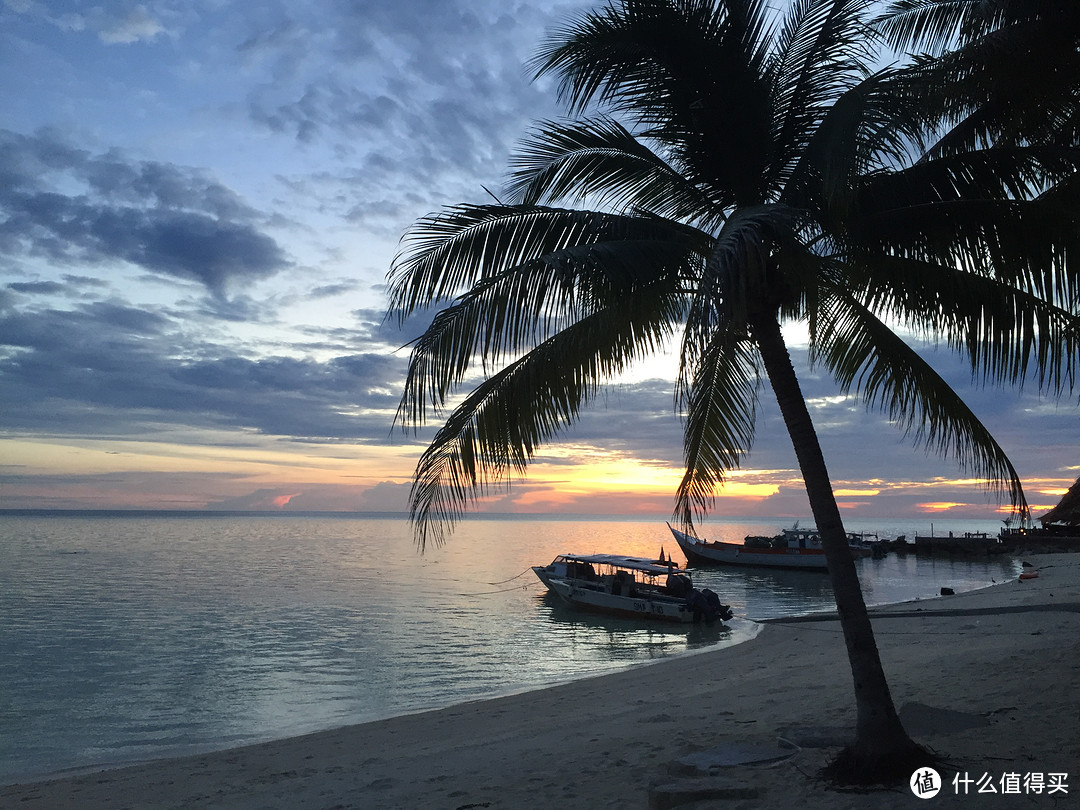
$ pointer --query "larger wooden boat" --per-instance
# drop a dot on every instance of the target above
(792, 548)
(631, 586)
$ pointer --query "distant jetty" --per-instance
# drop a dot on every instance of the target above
(1008, 541)
(966, 543)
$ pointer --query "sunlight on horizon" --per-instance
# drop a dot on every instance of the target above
(261, 472)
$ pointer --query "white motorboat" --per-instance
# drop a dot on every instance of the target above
(631, 586)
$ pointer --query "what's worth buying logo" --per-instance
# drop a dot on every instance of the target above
(925, 783)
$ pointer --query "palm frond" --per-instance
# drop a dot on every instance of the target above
(865, 354)
(452, 251)
(961, 214)
(495, 431)
(998, 173)
(1003, 71)
(1009, 334)
(821, 52)
(720, 401)
(660, 63)
(736, 275)
(599, 161)
(627, 53)
(870, 128)
(936, 25)
(511, 312)
(931, 24)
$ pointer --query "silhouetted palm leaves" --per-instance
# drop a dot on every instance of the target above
(730, 171)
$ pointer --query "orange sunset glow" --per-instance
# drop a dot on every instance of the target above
(262, 473)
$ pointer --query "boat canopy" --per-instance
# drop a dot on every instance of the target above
(631, 563)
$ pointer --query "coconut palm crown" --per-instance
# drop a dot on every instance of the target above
(726, 171)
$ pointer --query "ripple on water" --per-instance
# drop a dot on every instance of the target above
(130, 638)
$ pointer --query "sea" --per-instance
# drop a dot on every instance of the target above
(127, 637)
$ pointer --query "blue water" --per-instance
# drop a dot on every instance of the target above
(126, 638)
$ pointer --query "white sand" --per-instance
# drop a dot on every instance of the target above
(1005, 656)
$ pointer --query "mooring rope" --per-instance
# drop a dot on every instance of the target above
(504, 581)
(524, 587)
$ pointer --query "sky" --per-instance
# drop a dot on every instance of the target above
(199, 203)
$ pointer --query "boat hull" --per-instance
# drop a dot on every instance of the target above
(638, 607)
(699, 552)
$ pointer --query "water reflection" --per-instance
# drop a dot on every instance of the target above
(628, 640)
(903, 577)
(130, 638)
(759, 593)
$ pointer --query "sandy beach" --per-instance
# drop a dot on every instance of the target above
(990, 680)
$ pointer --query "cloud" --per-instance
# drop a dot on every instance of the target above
(107, 368)
(137, 24)
(268, 499)
(385, 496)
(37, 287)
(193, 236)
(140, 488)
(70, 207)
(116, 24)
(424, 98)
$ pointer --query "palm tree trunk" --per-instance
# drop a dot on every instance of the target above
(879, 735)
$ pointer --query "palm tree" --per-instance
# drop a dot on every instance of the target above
(770, 176)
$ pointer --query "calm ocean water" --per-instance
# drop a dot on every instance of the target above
(126, 638)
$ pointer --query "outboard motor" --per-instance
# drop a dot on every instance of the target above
(706, 606)
(696, 602)
(716, 609)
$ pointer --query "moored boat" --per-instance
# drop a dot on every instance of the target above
(631, 586)
(793, 548)
(867, 544)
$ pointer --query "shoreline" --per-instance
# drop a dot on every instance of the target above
(747, 628)
(989, 678)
